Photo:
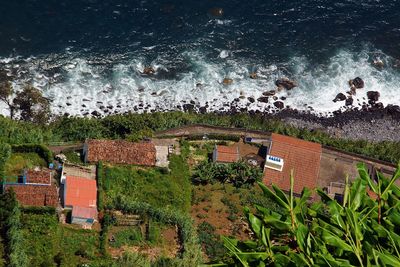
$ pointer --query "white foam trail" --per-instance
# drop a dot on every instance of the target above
(79, 86)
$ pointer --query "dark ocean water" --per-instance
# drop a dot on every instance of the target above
(97, 49)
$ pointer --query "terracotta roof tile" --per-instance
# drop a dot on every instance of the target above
(298, 155)
(35, 195)
(38, 177)
(227, 153)
(80, 192)
(120, 151)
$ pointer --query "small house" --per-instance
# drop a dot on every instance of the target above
(80, 195)
(226, 154)
(286, 154)
(35, 188)
(120, 152)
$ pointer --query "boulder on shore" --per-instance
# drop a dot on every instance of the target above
(349, 101)
(279, 104)
(253, 75)
(357, 83)
(269, 93)
(285, 83)
(373, 95)
(263, 99)
(339, 97)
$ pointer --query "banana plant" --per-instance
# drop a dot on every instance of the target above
(362, 230)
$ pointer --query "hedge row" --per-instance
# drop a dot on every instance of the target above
(234, 138)
(191, 250)
(41, 150)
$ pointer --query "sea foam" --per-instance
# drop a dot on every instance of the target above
(79, 85)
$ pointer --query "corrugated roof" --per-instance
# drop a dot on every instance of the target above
(35, 195)
(227, 153)
(82, 212)
(80, 192)
(301, 156)
(38, 177)
(120, 151)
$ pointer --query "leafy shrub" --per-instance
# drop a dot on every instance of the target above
(41, 150)
(210, 241)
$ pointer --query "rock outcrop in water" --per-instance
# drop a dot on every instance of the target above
(285, 83)
(279, 104)
(269, 93)
(357, 83)
(227, 81)
(253, 75)
(263, 99)
(149, 71)
(373, 96)
(339, 97)
(216, 12)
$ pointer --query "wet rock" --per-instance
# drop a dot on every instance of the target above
(203, 110)
(349, 101)
(148, 71)
(86, 100)
(279, 104)
(285, 83)
(275, 97)
(68, 104)
(96, 113)
(379, 105)
(357, 83)
(188, 107)
(216, 11)
(253, 75)
(269, 93)
(236, 100)
(140, 89)
(339, 97)
(263, 99)
(373, 95)
(283, 97)
(192, 102)
(227, 81)
(378, 63)
(242, 97)
(84, 106)
(251, 99)
(199, 85)
(393, 109)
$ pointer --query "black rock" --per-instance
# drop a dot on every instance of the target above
(339, 97)
(263, 99)
(279, 104)
(96, 113)
(188, 107)
(203, 110)
(349, 101)
(285, 83)
(216, 12)
(357, 82)
(393, 109)
(269, 93)
(373, 95)
(251, 99)
(283, 97)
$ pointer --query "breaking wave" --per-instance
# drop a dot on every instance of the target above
(80, 84)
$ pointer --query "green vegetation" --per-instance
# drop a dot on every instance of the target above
(10, 226)
(5, 153)
(238, 173)
(51, 244)
(361, 231)
(20, 161)
(212, 244)
(150, 185)
(131, 236)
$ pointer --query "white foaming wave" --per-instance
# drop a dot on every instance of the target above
(83, 88)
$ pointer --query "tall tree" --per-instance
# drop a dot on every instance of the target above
(32, 105)
(6, 91)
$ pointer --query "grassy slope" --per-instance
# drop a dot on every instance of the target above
(19, 161)
(151, 185)
(49, 243)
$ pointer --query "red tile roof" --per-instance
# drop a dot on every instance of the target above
(301, 156)
(82, 212)
(38, 177)
(227, 154)
(35, 195)
(119, 151)
(80, 191)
